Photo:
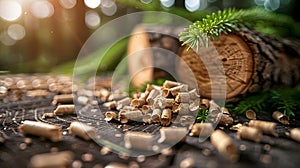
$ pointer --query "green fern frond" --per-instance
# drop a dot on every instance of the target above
(226, 21)
(202, 115)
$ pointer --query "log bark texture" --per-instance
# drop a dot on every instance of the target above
(252, 62)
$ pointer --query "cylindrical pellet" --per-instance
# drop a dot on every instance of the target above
(202, 129)
(265, 126)
(295, 134)
(49, 131)
(283, 119)
(172, 135)
(82, 130)
(54, 159)
(138, 140)
(166, 117)
(65, 98)
(65, 109)
(224, 144)
(249, 133)
(110, 115)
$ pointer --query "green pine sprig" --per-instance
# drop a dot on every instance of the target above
(284, 100)
(226, 21)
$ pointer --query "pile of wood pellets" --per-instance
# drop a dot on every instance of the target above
(173, 106)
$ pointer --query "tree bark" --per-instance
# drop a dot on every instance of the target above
(252, 62)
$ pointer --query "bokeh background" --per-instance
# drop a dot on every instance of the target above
(38, 36)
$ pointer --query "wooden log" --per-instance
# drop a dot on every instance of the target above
(252, 62)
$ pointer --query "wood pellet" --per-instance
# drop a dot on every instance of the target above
(49, 131)
(265, 126)
(82, 130)
(55, 159)
(283, 119)
(250, 133)
(138, 140)
(172, 135)
(202, 129)
(225, 145)
(65, 98)
(65, 109)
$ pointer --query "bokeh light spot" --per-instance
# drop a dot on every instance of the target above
(16, 31)
(146, 1)
(42, 9)
(6, 39)
(108, 8)
(192, 5)
(272, 5)
(68, 4)
(92, 19)
(10, 10)
(92, 3)
(167, 3)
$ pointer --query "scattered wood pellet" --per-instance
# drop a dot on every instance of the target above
(123, 102)
(87, 157)
(37, 93)
(166, 117)
(125, 116)
(110, 115)
(225, 117)
(204, 104)
(138, 102)
(48, 115)
(45, 130)
(65, 109)
(201, 129)
(295, 134)
(138, 140)
(110, 105)
(57, 159)
(214, 109)
(28, 141)
(82, 130)
(65, 98)
(187, 163)
(250, 114)
(283, 119)
(172, 135)
(105, 150)
(249, 133)
(265, 126)
(224, 145)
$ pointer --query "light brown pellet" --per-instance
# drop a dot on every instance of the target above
(283, 119)
(201, 129)
(224, 144)
(170, 84)
(82, 130)
(49, 131)
(138, 102)
(110, 115)
(123, 102)
(155, 117)
(110, 105)
(172, 135)
(177, 89)
(65, 109)
(138, 140)
(56, 159)
(125, 116)
(65, 98)
(48, 115)
(150, 99)
(249, 133)
(37, 93)
(295, 134)
(265, 126)
(166, 117)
